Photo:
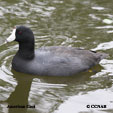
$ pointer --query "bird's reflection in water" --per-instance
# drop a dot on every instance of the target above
(19, 97)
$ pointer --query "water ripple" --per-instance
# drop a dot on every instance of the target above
(104, 46)
(77, 23)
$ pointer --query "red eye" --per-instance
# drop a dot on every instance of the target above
(20, 32)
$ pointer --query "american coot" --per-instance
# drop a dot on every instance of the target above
(51, 61)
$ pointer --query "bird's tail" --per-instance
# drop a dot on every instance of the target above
(102, 55)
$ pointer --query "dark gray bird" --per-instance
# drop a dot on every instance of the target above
(51, 61)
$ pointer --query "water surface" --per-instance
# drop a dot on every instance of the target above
(76, 23)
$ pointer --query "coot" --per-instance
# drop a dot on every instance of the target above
(49, 61)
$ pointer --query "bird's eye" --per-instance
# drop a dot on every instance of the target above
(20, 32)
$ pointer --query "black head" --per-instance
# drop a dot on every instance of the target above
(24, 34)
(21, 34)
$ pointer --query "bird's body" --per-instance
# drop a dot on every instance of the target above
(53, 60)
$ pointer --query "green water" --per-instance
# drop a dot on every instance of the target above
(78, 23)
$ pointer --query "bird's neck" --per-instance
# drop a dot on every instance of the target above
(26, 50)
